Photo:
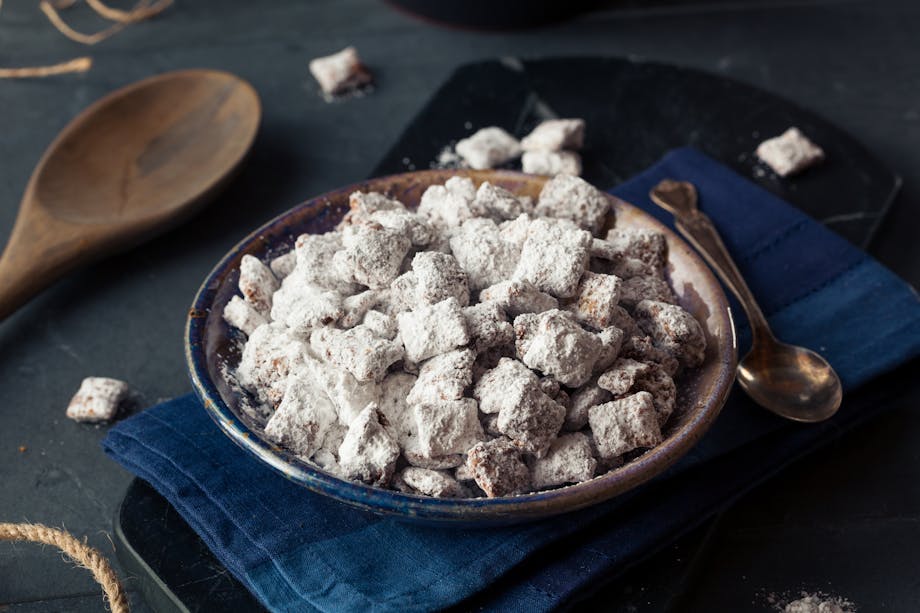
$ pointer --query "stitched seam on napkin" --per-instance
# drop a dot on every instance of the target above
(781, 237)
(239, 528)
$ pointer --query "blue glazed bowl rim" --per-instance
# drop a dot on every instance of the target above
(507, 509)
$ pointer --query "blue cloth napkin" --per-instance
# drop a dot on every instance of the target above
(297, 551)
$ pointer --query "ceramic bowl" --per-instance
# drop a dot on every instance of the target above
(211, 346)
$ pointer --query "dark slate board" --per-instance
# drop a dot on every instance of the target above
(635, 112)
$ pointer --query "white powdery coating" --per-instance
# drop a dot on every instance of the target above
(483, 254)
(502, 386)
(435, 483)
(340, 72)
(327, 456)
(355, 307)
(381, 324)
(568, 460)
(240, 314)
(447, 427)
(98, 399)
(434, 329)
(595, 298)
(257, 283)
(394, 406)
(302, 419)
(443, 377)
(588, 395)
(372, 255)
(622, 425)
(643, 349)
(518, 297)
(515, 230)
(488, 326)
(368, 453)
(303, 306)
(402, 293)
(498, 469)
(438, 276)
(407, 223)
(553, 257)
(499, 203)
(637, 289)
(789, 153)
(314, 253)
(611, 339)
(554, 344)
(551, 163)
(358, 350)
(532, 421)
(674, 330)
(283, 265)
(573, 198)
(348, 394)
(488, 148)
(555, 134)
(642, 244)
(449, 205)
(362, 204)
(272, 352)
(814, 603)
(622, 376)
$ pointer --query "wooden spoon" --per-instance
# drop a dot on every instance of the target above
(128, 167)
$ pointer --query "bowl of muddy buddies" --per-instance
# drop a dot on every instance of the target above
(463, 346)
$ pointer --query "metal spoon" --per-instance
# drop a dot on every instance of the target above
(793, 382)
(129, 166)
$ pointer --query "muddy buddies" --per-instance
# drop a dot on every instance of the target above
(484, 345)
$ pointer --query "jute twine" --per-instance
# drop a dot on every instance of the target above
(144, 9)
(78, 551)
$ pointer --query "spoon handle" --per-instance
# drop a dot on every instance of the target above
(699, 230)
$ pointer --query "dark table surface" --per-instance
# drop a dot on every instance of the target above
(845, 521)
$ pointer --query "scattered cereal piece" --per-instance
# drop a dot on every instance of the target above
(674, 330)
(555, 135)
(488, 148)
(381, 324)
(497, 202)
(553, 343)
(434, 329)
(372, 255)
(257, 283)
(240, 314)
(481, 251)
(588, 395)
(622, 425)
(573, 198)
(443, 377)
(447, 427)
(438, 276)
(789, 153)
(595, 299)
(498, 469)
(551, 163)
(488, 326)
(302, 419)
(435, 483)
(532, 421)
(568, 460)
(98, 399)
(340, 72)
(553, 257)
(368, 453)
(494, 389)
(358, 350)
(283, 265)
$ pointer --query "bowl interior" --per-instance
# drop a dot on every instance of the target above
(213, 349)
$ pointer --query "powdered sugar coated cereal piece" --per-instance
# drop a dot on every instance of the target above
(438, 277)
(498, 203)
(573, 198)
(637, 289)
(368, 453)
(622, 376)
(358, 350)
(498, 469)
(488, 326)
(303, 306)
(789, 153)
(494, 389)
(445, 209)
(622, 425)
(483, 254)
(532, 421)
(355, 307)
(554, 135)
(435, 483)
(98, 399)
(447, 427)
(515, 230)
(340, 72)
(551, 163)
(372, 255)
(257, 283)
(348, 394)
(381, 324)
(588, 395)
(640, 244)
(314, 253)
(443, 377)
(595, 298)
(432, 329)
(518, 297)
(554, 344)
(674, 330)
(240, 314)
(272, 352)
(393, 403)
(302, 419)
(488, 148)
(661, 386)
(402, 295)
(568, 460)
(363, 204)
(611, 339)
(643, 349)
(407, 223)
(553, 257)
(283, 265)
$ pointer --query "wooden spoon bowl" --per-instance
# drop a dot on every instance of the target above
(131, 165)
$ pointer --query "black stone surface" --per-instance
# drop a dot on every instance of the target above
(852, 62)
